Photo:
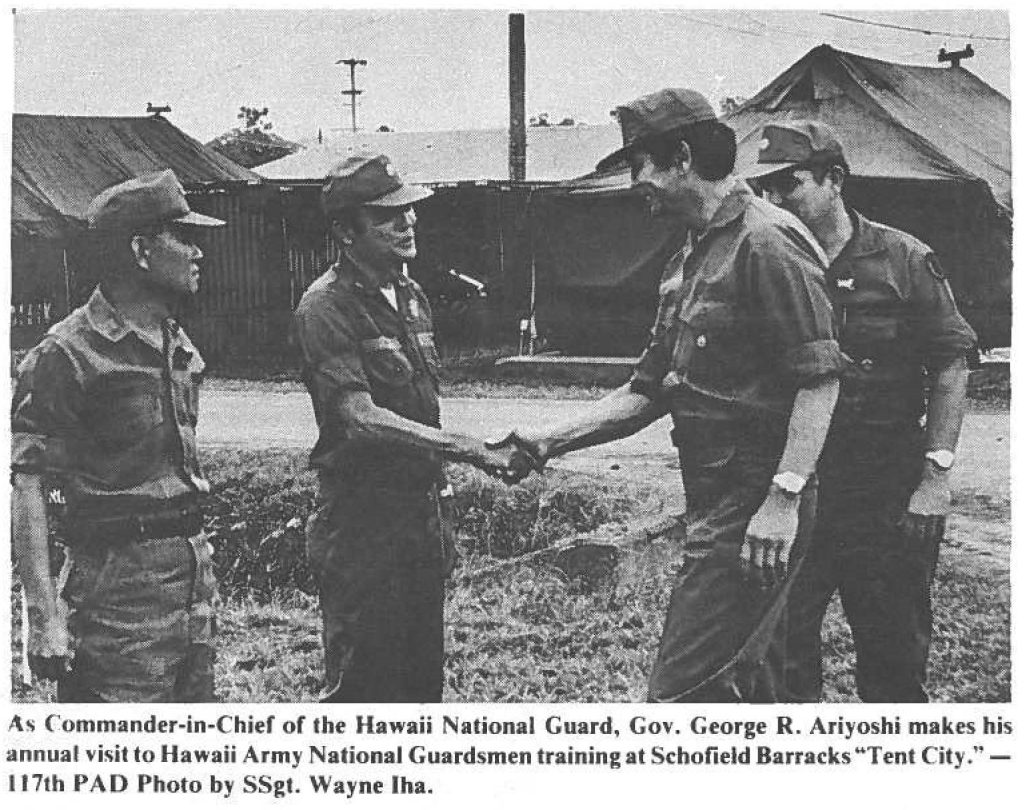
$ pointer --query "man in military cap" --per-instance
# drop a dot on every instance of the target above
(743, 355)
(884, 479)
(378, 541)
(105, 407)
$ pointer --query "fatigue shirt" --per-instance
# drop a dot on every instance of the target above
(352, 339)
(110, 413)
(744, 319)
(897, 318)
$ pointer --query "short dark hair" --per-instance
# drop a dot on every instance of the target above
(347, 218)
(712, 148)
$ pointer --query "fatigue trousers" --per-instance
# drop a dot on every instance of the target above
(884, 580)
(377, 556)
(724, 634)
(142, 620)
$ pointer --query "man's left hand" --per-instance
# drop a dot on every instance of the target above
(925, 518)
(770, 536)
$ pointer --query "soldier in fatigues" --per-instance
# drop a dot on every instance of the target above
(884, 480)
(379, 541)
(106, 407)
(743, 355)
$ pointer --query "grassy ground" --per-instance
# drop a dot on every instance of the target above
(989, 387)
(524, 633)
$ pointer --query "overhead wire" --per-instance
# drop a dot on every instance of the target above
(926, 31)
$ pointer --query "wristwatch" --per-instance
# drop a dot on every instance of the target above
(942, 460)
(790, 483)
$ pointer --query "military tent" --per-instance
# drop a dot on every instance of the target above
(59, 163)
(929, 149)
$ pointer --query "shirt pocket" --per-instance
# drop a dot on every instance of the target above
(125, 414)
(707, 342)
(385, 362)
(866, 335)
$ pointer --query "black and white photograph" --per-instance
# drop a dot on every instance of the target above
(435, 356)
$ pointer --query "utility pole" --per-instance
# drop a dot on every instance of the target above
(516, 98)
(352, 92)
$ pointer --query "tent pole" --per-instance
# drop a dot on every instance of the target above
(67, 282)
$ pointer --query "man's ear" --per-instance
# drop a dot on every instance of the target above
(838, 175)
(140, 249)
(683, 158)
(342, 231)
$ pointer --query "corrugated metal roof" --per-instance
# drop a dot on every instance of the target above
(59, 163)
(452, 156)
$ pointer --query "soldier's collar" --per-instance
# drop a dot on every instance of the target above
(105, 318)
(865, 240)
(732, 206)
(364, 279)
(112, 324)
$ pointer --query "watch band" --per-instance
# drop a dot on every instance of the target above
(791, 483)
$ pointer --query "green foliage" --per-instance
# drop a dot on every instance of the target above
(257, 513)
(256, 518)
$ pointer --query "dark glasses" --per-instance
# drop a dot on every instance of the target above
(782, 183)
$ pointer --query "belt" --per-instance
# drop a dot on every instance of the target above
(185, 521)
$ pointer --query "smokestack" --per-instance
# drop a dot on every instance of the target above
(516, 98)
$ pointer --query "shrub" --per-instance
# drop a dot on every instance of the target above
(257, 513)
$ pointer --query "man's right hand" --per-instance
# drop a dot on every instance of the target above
(49, 647)
(524, 456)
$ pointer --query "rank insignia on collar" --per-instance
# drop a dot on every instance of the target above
(845, 283)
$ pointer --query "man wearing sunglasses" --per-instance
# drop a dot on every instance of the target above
(379, 542)
(884, 480)
(105, 407)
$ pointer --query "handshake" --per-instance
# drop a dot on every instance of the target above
(511, 458)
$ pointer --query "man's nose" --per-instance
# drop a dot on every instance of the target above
(197, 253)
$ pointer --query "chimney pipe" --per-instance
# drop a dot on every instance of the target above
(516, 98)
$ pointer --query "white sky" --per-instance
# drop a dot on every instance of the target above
(436, 69)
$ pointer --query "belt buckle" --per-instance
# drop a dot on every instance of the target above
(140, 526)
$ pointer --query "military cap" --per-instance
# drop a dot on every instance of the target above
(370, 180)
(656, 114)
(795, 143)
(145, 201)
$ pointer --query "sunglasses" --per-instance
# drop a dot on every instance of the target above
(381, 215)
(783, 183)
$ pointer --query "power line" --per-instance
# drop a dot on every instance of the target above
(726, 26)
(914, 30)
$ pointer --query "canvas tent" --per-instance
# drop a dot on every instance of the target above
(59, 163)
(930, 152)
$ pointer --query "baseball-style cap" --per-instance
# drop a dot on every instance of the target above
(795, 143)
(368, 180)
(655, 114)
(150, 199)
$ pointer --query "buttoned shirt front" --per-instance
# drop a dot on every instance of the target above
(744, 319)
(110, 410)
(353, 339)
(897, 318)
